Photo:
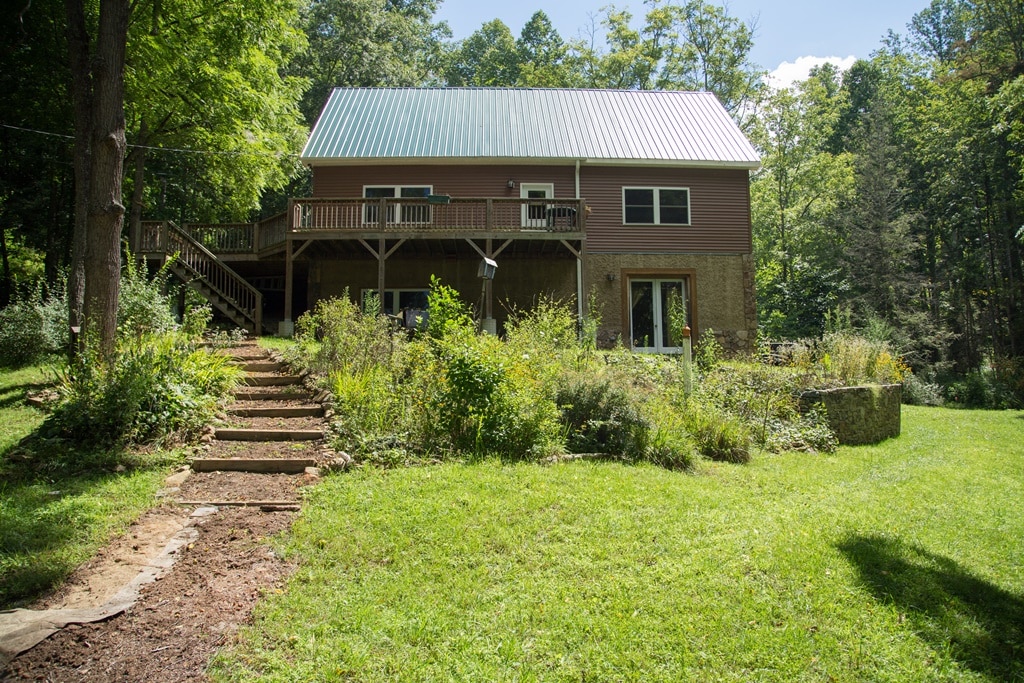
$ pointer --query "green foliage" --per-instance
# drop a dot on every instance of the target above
(600, 415)
(338, 335)
(144, 306)
(153, 388)
(448, 314)
(850, 359)
(33, 328)
(708, 352)
(719, 435)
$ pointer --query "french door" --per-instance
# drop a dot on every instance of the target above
(650, 304)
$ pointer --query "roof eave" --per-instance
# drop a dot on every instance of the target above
(739, 164)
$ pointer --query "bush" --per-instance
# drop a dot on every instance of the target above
(143, 306)
(33, 328)
(719, 435)
(600, 416)
(154, 388)
(337, 336)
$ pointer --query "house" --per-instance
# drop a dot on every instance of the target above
(631, 198)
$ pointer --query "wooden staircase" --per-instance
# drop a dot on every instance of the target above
(200, 269)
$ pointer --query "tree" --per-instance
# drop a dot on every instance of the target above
(696, 46)
(795, 197)
(206, 75)
(486, 58)
(545, 60)
(363, 43)
(97, 70)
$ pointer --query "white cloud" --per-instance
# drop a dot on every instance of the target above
(788, 73)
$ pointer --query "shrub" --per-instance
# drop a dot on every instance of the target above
(918, 392)
(33, 328)
(446, 313)
(336, 335)
(143, 307)
(600, 416)
(719, 435)
(153, 388)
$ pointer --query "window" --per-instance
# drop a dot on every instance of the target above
(405, 213)
(656, 205)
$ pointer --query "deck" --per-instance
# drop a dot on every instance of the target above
(436, 217)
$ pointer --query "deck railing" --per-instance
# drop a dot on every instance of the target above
(432, 215)
(437, 214)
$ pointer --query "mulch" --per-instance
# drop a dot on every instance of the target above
(180, 620)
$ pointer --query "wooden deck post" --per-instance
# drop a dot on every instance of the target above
(287, 327)
(381, 255)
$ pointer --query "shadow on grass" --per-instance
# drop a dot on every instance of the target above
(40, 527)
(978, 623)
(15, 393)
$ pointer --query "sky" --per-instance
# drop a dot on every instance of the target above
(792, 35)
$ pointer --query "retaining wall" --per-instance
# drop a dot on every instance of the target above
(860, 415)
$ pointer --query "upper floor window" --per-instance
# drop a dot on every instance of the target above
(398, 212)
(656, 205)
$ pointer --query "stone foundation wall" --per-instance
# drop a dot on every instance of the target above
(860, 415)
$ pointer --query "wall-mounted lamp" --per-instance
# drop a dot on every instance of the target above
(511, 184)
(611, 277)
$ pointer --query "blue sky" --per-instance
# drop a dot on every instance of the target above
(787, 29)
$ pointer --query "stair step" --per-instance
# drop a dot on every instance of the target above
(251, 365)
(257, 465)
(268, 434)
(271, 381)
(258, 395)
(279, 411)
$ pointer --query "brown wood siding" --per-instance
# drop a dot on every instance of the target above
(719, 211)
(457, 181)
(719, 199)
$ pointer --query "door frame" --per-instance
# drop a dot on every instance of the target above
(626, 275)
(524, 190)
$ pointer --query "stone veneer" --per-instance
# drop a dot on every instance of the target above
(860, 415)
(723, 290)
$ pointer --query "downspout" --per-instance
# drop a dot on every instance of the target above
(579, 261)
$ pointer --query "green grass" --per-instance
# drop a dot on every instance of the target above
(895, 562)
(276, 343)
(52, 518)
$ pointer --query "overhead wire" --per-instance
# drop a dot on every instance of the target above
(179, 150)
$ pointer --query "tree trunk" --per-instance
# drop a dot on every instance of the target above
(81, 95)
(106, 212)
(5, 276)
(138, 156)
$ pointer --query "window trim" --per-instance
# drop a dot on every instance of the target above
(656, 190)
(398, 205)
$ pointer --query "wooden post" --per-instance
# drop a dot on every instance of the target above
(289, 274)
(489, 286)
(380, 270)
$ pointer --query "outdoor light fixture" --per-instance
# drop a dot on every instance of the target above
(612, 277)
(511, 184)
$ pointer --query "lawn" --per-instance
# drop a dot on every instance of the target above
(54, 518)
(894, 562)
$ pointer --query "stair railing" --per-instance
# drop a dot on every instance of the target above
(223, 281)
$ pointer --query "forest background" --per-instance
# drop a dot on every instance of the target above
(891, 197)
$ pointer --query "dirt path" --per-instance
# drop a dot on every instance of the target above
(180, 620)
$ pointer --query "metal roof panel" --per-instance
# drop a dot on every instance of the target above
(448, 124)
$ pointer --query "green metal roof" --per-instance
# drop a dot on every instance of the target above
(439, 125)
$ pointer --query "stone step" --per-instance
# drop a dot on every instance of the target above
(257, 465)
(268, 434)
(280, 411)
(271, 380)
